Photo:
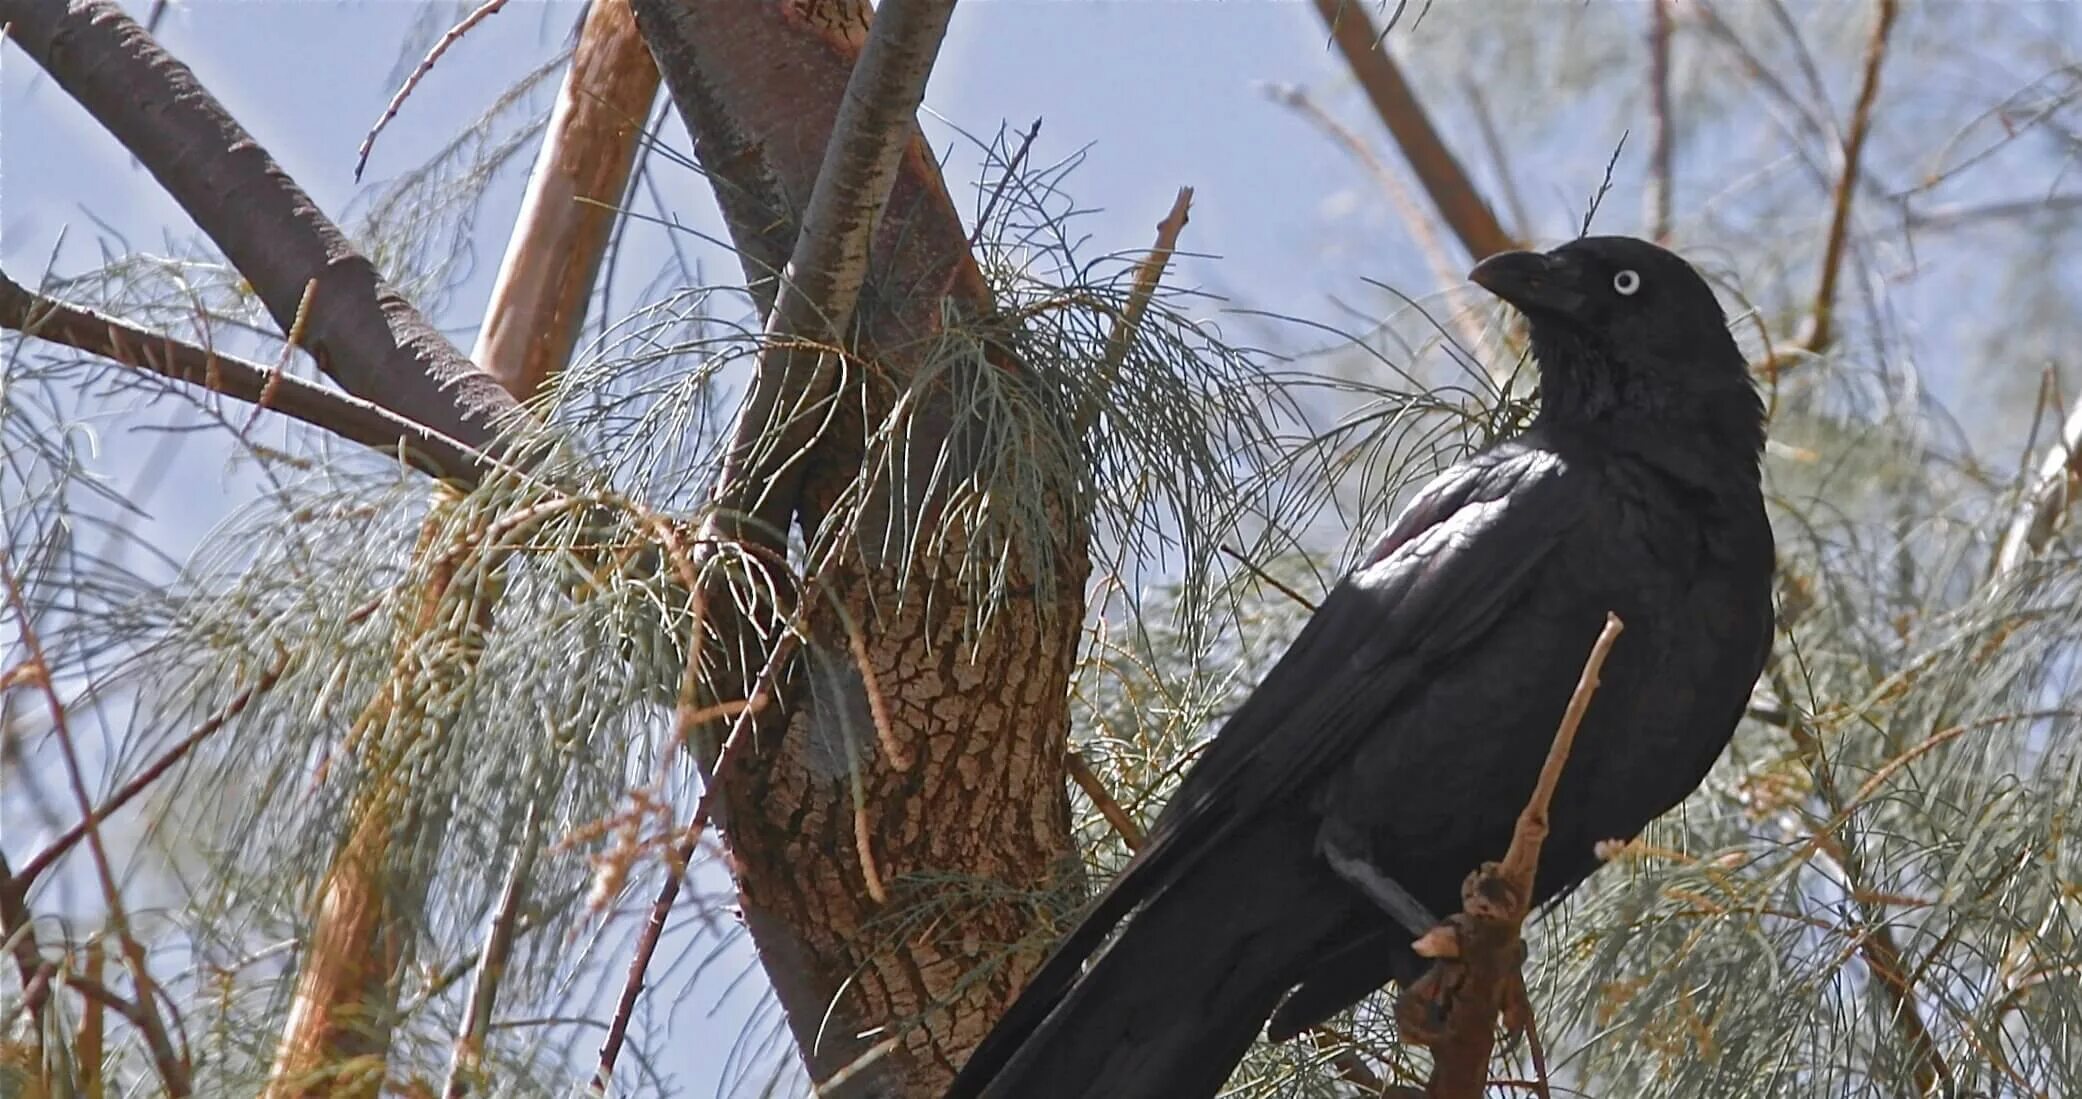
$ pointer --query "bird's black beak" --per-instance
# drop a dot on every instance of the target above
(1535, 282)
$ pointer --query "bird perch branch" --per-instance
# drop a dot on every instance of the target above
(1452, 1009)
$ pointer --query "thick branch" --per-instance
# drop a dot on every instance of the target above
(350, 418)
(362, 333)
(1459, 203)
(876, 122)
(538, 303)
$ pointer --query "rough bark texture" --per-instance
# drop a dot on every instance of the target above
(362, 333)
(983, 722)
(538, 303)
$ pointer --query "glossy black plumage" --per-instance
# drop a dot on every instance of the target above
(1399, 735)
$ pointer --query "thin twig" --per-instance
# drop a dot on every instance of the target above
(173, 1072)
(346, 416)
(1662, 155)
(51, 852)
(1149, 271)
(1087, 780)
(1821, 322)
(484, 11)
(491, 962)
(990, 205)
(1459, 203)
(1304, 601)
(1531, 833)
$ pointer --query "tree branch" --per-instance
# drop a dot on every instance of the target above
(1662, 154)
(350, 418)
(1821, 322)
(2053, 491)
(813, 308)
(538, 302)
(1453, 1008)
(1459, 203)
(362, 333)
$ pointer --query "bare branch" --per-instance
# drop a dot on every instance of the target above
(1453, 1008)
(426, 65)
(1821, 321)
(1149, 271)
(1459, 203)
(1662, 155)
(362, 332)
(568, 213)
(348, 417)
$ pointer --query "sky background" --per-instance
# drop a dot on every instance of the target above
(1159, 94)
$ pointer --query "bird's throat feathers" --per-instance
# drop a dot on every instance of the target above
(1700, 399)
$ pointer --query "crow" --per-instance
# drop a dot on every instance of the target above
(1387, 754)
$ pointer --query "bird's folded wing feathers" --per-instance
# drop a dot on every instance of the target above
(1457, 557)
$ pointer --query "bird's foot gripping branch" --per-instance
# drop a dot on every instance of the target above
(1476, 953)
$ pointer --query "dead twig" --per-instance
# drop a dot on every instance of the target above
(1148, 273)
(1453, 1008)
(144, 1015)
(1304, 601)
(990, 206)
(426, 65)
(1459, 203)
(1821, 320)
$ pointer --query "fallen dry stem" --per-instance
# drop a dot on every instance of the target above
(1475, 976)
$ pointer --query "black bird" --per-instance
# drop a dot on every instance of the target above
(1389, 751)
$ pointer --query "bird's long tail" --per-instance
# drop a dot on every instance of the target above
(1172, 1006)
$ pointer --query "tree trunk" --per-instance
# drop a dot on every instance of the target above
(981, 721)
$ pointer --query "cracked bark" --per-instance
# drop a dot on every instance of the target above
(984, 718)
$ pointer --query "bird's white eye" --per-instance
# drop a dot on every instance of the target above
(1626, 282)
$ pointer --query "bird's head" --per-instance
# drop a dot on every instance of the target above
(1621, 327)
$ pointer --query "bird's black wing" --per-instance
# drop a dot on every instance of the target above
(1455, 560)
